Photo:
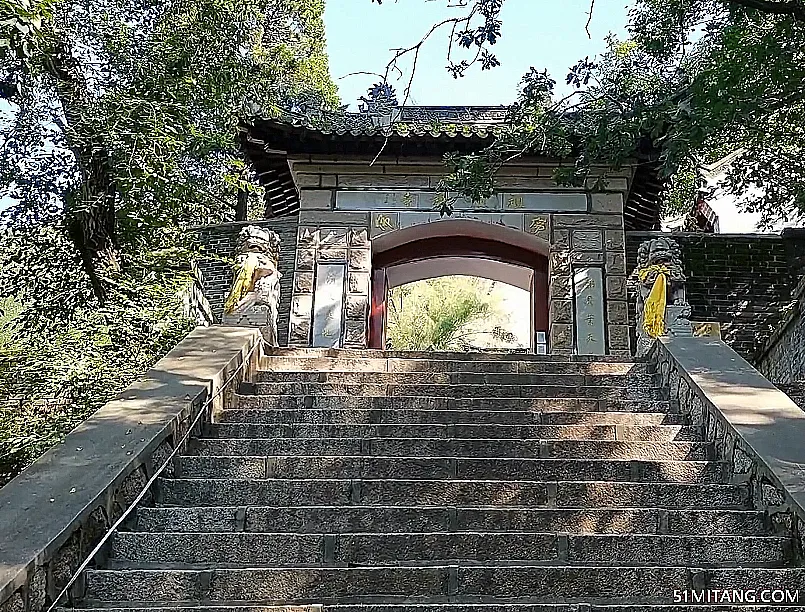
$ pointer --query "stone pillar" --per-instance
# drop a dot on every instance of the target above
(330, 303)
(587, 296)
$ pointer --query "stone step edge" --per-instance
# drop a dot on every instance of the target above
(771, 537)
(310, 352)
(467, 480)
(456, 424)
(474, 440)
(346, 398)
(257, 385)
(393, 607)
(701, 462)
(541, 509)
(303, 409)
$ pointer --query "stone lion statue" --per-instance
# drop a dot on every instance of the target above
(661, 257)
(254, 297)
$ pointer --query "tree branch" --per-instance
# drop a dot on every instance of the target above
(589, 19)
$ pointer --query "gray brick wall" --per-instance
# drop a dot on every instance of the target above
(216, 276)
(783, 359)
(745, 282)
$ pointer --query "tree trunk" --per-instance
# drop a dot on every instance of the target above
(90, 218)
(242, 207)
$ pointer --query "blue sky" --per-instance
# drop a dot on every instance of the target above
(541, 33)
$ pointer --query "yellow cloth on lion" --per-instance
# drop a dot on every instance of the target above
(244, 282)
(654, 308)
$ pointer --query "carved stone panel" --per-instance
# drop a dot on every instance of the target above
(616, 287)
(418, 218)
(614, 239)
(561, 337)
(381, 200)
(357, 306)
(423, 200)
(358, 282)
(512, 220)
(328, 303)
(549, 202)
(303, 282)
(335, 237)
(305, 259)
(589, 291)
(587, 240)
(538, 225)
(358, 237)
(384, 222)
(355, 333)
(491, 203)
(360, 259)
(560, 288)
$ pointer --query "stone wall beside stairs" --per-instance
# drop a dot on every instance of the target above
(744, 282)
(216, 273)
(783, 358)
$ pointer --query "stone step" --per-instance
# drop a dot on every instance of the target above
(525, 607)
(389, 519)
(455, 447)
(400, 416)
(461, 391)
(314, 492)
(287, 550)
(522, 404)
(454, 378)
(344, 354)
(397, 365)
(429, 468)
(437, 584)
(659, 433)
(441, 607)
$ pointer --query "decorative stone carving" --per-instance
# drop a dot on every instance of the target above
(678, 320)
(656, 258)
(255, 294)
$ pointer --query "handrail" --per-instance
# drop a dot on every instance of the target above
(154, 477)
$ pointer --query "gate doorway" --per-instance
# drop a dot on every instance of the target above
(460, 247)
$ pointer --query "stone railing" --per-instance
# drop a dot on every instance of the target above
(782, 359)
(55, 513)
(756, 429)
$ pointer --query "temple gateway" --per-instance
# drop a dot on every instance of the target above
(636, 462)
(364, 195)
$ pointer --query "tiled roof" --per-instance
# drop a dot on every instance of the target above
(414, 121)
(402, 131)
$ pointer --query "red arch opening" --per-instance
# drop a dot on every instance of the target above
(457, 238)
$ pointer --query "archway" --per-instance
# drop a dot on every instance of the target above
(458, 246)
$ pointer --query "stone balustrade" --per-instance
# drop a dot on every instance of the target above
(756, 429)
(57, 510)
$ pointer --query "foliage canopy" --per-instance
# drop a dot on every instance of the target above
(695, 81)
(119, 129)
(448, 313)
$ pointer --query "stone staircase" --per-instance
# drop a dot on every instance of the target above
(368, 481)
